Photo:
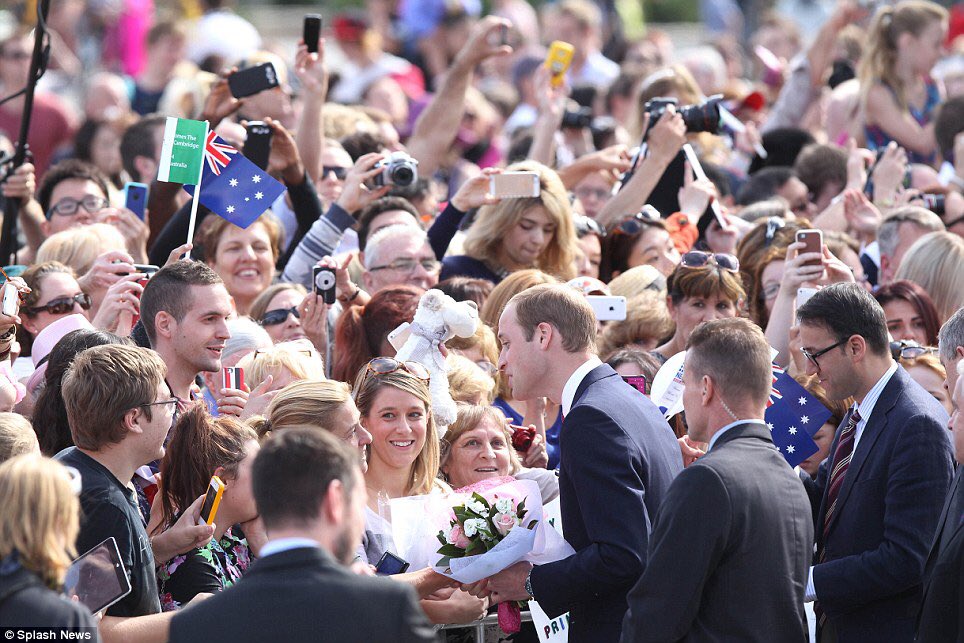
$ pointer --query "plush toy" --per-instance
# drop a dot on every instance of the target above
(437, 319)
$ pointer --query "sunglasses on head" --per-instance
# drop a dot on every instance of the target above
(278, 316)
(62, 305)
(774, 224)
(339, 172)
(909, 349)
(698, 259)
(386, 365)
(636, 223)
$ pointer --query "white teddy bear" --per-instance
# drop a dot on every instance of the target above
(437, 319)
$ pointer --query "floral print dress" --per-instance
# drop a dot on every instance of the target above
(208, 569)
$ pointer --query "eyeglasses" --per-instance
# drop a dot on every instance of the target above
(909, 349)
(278, 316)
(339, 172)
(68, 206)
(645, 218)
(62, 305)
(408, 266)
(698, 259)
(490, 369)
(173, 401)
(773, 224)
(386, 365)
(813, 356)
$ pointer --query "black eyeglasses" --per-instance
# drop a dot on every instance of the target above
(386, 365)
(68, 206)
(813, 356)
(62, 305)
(909, 349)
(173, 401)
(339, 172)
(698, 259)
(278, 316)
(407, 266)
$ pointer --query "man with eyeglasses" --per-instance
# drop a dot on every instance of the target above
(881, 490)
(399, 254)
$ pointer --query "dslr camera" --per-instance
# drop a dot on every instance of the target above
(399, 169)
(704, 117)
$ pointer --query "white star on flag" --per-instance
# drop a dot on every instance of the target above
(259, 195)
(230, 209)
(802, 401)
(770, 425)
(790, 448)
(792, 430)
(256, 178)
(233, 183)
(805, 419)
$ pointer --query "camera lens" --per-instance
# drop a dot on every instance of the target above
(702, 118)
(403, 176)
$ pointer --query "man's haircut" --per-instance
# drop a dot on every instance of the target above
(165, 29)
(375, 254)
(736, 355)
(105, 382)
(846, 310)
(887, 237)
(379, 206)
(294, 470)
(764, 184)
(66, 170)
(360, 143)
(563, 308)
(821, 165)
(138, 140)
(948, 123)
(782, 145)
(951, 335)
(167, 290)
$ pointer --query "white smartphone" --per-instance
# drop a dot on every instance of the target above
(11, 299)
(804, 294)
(608, 308)
(399, 336)
(514, 185)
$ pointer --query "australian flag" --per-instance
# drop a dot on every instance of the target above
(793, 416)
(234, 187)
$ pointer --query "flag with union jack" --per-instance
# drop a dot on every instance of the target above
(793, 416)
(232, 186)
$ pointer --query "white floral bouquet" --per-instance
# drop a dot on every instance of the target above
(479, 526)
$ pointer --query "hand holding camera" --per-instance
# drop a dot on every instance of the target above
(356, 194)
(106, 270)
(667, 135)
(398, 169)
(123, 297)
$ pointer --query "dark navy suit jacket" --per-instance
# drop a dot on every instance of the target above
(619, 457)
(870, 585)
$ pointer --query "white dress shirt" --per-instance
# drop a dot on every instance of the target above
(866, 409)
(716, 436)
(572, 384)
(285, 544)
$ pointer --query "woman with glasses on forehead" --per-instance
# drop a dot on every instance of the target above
(702, 288)
(589, 238)
(638, 240)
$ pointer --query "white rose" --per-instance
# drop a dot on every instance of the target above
(476, 506)
(504, 506)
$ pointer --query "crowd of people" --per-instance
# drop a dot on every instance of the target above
(789, 195)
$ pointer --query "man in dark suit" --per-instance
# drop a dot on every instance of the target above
(619, 457)
(942, 612)
(311, 496)
(882, 488)
(733, 539)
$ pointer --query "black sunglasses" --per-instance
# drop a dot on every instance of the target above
(698, 259)
(634, 224)
(339, 172)
(278, 316)
(62, 305)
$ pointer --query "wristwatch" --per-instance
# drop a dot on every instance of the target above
(528, 584)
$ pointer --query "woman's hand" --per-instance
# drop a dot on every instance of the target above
(695, 194)
(474, 193)
(458, 608)
(314, 320)
(134, 230)
(259, 399)
(797, 273)
(9, 321)
(105, 271)
(123, 297)
(355, 194)
(183, 536)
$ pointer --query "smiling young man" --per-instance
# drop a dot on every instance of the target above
(184, 309)
(884, 484)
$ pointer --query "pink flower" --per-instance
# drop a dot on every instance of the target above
(457, 538)
(504, 523)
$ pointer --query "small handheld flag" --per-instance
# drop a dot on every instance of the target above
(182, 150)
(793, 417)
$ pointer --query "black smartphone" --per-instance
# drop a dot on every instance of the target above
(390, 564)
(252, 80)
(257, 146)
(323, 283)
(312, 31)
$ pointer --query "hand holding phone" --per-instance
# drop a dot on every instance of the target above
(312, 31)
(323, 283)
(813, 242)
(253, 80)
(514, 185)
(558, 61)
(257, 145)
(232, 377)
(212, 500)
(11, 299)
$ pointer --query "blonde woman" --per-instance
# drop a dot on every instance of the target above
(38, 527)
(926, 369)
(17, 436)
(515, 234)
(936, 263)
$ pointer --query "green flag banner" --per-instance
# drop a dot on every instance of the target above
(182, 152)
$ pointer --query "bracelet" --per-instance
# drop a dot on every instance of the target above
(10, 332)
(353, 297)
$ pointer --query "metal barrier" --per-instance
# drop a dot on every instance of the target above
(478, 627)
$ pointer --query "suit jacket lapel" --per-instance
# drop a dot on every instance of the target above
(596, 374)
(872, 431)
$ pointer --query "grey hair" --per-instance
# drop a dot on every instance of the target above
(887, 237)
(951, 335)
(374, 249)
(246, 335)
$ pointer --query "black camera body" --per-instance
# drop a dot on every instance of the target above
(704, 117)
(399, 169)
(935, 203)
(577, 118)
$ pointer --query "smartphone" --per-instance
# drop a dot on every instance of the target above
(252, 80)
(522, 437)
(257, 145)
(232, 377)
(146, 268)
(98, 578)
(390, 564)
(558, 61)
(11, 299)
(638, 382)
(608, 308)
(400, 335)
(804, 294)
(514, 185)
(211, 501)
(323, 283)
(813, 240)
(312, 31)
(135, 198)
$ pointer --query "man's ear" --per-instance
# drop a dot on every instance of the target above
(164, 324)
(959, 352)
(132, 419)
(335, 505)
(708, 389)
(857, 347)
(367, 280)
(886, 274)
(545, 334)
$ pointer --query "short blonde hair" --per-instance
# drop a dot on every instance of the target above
(936, 263)
(927, 360)
(17, 436)
(467, 380)
(484, 339)
(299, 358)
(80, 247)
(507, 289)
(469, 417)
(40, 517)
(304, 403)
